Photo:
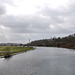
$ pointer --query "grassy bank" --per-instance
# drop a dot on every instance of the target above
(12, 50)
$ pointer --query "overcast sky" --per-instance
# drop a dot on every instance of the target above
(35, 19)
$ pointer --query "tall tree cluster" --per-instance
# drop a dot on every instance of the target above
(65, 42)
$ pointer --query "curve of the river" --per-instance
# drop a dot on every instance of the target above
(41, 61)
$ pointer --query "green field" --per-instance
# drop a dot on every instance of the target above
(13, 49)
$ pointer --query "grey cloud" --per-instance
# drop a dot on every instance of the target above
(56, 15)
(3, 7)
(18, 38)
(10, 2)
(22, 25)
(2, 10)
(13, 37)
(13, 21)
(38, 25)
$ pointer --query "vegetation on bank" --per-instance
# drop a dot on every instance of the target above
(7, 51)
(64, 42)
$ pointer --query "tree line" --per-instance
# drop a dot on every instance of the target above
(64, 42)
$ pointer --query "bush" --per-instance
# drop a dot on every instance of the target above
(7, 52)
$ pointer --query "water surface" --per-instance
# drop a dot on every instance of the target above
(41, 61)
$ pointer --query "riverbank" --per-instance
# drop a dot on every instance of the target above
(6, 51)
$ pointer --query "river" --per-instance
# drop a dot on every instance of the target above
(41, 61)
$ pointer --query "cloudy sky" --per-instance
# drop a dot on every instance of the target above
(35, 19)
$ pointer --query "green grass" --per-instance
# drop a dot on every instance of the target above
(13, 49)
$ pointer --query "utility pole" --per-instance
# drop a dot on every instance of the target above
(29, 40)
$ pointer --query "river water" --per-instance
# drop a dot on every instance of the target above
(41, 61)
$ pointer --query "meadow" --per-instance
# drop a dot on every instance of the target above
(13, 50)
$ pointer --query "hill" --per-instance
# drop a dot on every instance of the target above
(64, 42)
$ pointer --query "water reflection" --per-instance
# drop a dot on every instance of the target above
(42, 61)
